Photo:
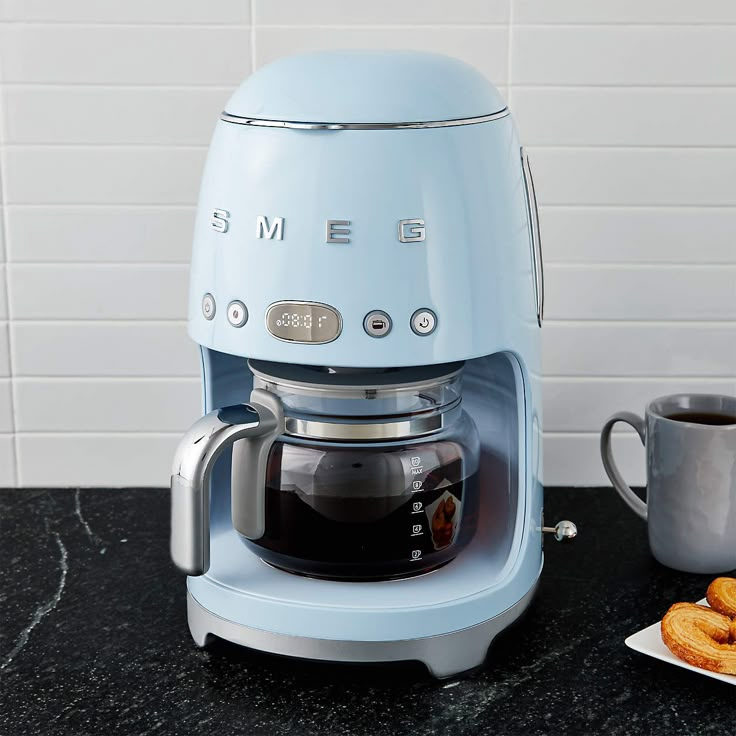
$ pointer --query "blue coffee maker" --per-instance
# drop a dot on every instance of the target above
(367, 291)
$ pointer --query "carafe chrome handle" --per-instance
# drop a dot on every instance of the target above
(258, 423)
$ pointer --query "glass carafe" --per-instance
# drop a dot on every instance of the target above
(375, 476)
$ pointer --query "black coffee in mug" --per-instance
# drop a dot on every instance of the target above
(701, 417)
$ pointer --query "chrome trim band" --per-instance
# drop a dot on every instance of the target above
(260, 122)
(413, 427)
(365, 432)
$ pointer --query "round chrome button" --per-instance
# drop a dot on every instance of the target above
(237, 314)
(208, 306)
(377, 323)
(423, 322)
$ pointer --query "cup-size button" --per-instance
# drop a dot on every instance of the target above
(423, 322)
(237, 314)
(377, 323)
(208, 306)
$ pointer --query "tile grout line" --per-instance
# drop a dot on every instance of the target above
(223, 87)
(143, 24)
(191, 206)
(9, 331)
(509, 89)
(24, 146)
(197, 25)
(715, 24)
(251, 6)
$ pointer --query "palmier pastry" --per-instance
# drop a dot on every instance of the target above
(721, 596)
(701, 636)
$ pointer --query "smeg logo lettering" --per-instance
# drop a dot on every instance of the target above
(336, 231)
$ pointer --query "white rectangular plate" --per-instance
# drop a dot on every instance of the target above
(649, 641)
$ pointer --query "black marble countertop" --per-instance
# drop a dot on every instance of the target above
(94, 640)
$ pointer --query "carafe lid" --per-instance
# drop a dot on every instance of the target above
(342, 87)
(354, 392)
(342, 381)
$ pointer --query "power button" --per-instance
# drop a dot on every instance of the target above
(423, 322)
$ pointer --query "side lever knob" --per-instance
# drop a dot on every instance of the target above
(564, 531)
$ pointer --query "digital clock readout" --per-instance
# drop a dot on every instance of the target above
(307, 322)
(301, 320)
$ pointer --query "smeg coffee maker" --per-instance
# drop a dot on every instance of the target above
(367, 292)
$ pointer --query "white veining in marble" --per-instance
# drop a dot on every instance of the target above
(94, 538)
(45, 608)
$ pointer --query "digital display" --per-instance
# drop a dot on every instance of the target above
(307, 322)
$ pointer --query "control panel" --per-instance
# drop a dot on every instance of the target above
(314, 323)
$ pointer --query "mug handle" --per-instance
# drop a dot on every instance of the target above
(633, 501)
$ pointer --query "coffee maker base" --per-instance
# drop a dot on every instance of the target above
(444, 655)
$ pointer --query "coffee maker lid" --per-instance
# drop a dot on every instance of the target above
(379, 88)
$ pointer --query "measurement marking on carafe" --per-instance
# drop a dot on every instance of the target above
(416, 485)
(416, 507)
(416, 554)
(416, 530)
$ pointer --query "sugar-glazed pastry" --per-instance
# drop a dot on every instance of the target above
(721, 596)
(701, 636)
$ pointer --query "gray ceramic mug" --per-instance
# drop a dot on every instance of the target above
(691, 479)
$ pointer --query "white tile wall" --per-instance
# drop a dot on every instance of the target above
(99, 348)
(95, 459)
(131, 11)
(626, 116)
(6, 407)
(583, 404)
(100, 234)
(641, 292)
(101, 174)
(3, 294)
(105, 404)
(623, 55)
(636, 176)
(380, 13)
(628, 110)
(94, 115)
(485, 48)
(97, 291)
(8, 475)
(61, 53)
(634, 349)
(4, 350)
(584, 12)
(638, 235)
